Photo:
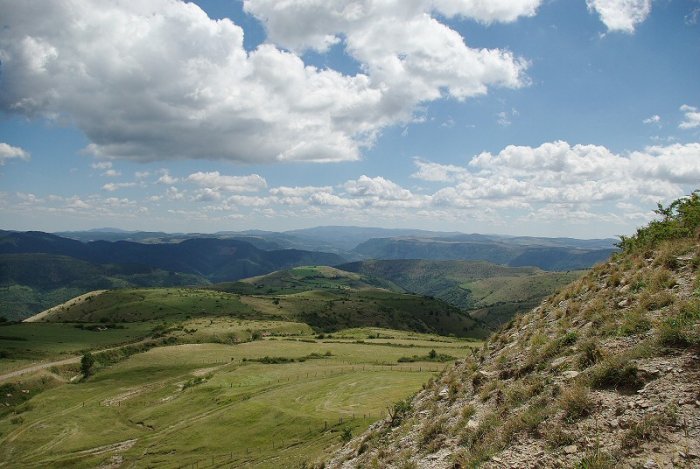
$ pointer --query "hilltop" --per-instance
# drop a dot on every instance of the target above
(602, 374)
(322, 297)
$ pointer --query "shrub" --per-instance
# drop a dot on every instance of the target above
(431, 434)
(615, 372)
(596, 460)
(398, 411)
(634, 322)
(557, 436)
(590, 354)
(576, 403)
(86, 364)
(346, 435)
(681, 329)
(680, 219)
(648, 428)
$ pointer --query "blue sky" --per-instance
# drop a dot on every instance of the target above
(539, 117)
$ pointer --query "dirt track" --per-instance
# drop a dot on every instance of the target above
(41, 366)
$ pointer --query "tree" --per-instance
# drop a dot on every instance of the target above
(86, 364)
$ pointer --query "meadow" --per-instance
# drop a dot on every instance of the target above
(284, 400)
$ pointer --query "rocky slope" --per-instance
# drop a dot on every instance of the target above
(606, 373)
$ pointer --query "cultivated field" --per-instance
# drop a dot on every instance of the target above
(283, 401)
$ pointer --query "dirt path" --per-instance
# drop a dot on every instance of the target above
(41, 366)
(71, 302)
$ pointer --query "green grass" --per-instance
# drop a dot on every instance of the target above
(26, 343)
(490, 292)
(148, 304)
(306, 278)
(234, 411)
(325, 310)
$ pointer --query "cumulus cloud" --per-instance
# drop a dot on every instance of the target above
(557, 172)
(112, 173)
(166, 179)
(691, 117)
(115, 186)
(655, 119)
(179, 84)
(8, 152)
(217, 181)
(435, 172)
(621, 15)
(376, 187)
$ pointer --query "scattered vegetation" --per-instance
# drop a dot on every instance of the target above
(432, 356)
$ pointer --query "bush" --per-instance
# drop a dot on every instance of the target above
(681, 329)
(576, 403)
(86, 364)
(635, 322)
(680, 219)
(617, 373)
(398, 411)
(346, 435)
(590, 354)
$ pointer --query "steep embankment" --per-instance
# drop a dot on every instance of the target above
(604, 374)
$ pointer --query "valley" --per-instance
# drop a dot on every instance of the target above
(285, 398)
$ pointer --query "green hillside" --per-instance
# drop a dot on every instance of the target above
(493, 293)
(283, 401)
(325, 310)
(32, 282)
(305, 278)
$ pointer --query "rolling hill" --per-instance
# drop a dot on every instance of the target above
(493, 293)
(39, 270)
(306, 278)
(30, 283)
(328, 302)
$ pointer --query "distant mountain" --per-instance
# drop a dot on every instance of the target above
(39, 270)
(348, 237)
(492, 293)
(215, 259)
(551, 254)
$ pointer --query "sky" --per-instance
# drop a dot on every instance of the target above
(524, 117)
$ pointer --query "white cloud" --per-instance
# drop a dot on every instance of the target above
(115, 186)
(376, 187)
(691, 117)
(181, 85)
(112, 173)
(167, 179)
(101, 165)
(435, 172)
(142, 174)
(655, 119)
(215, 180)
(488, 11)
(8, 152)
(621, 15)
(557, 172)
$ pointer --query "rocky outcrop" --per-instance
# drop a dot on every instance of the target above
(604, 374)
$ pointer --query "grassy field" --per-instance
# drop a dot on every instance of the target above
(217, 404)
(26, 343)
(326, 310)
(130, 305)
